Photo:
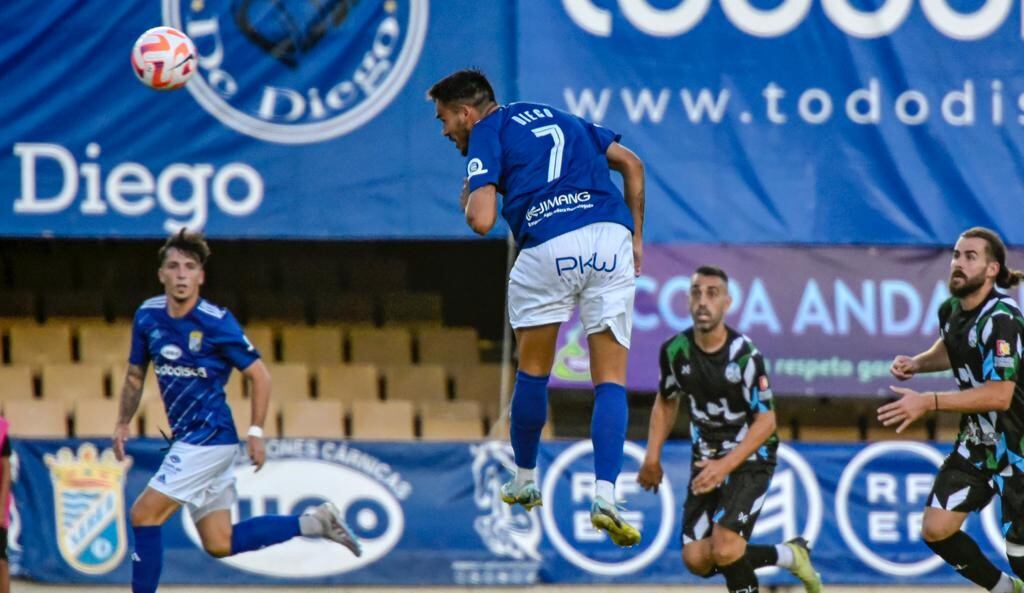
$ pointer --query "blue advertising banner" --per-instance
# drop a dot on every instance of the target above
(874, 122)
(431, 514)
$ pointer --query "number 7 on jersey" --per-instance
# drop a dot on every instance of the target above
(555, 161)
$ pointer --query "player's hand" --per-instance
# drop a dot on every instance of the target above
(121, 433)
(254, 445)
(650, 475)
(904, 367)
(464, 198)
(904, 411)
(638, 255)
(713, 472)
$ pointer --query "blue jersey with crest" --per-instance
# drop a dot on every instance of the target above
(551, 168)
(192, 357)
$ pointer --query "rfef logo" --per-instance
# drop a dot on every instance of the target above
(296, 72)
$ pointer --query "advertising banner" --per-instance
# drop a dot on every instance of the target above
(431, 514)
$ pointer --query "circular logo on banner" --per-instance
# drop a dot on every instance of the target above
(295, 72)
(566, 513)
(792, 504)
(889, 507)
(370, 509)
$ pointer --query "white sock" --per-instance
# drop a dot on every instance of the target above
(310, 526)
(524, 475)
(605, 490)
(786, 556)
(1005, 585)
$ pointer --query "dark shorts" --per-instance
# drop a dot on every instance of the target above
(734, 505)
(961, 487)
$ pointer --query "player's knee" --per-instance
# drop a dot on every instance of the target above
(936, 532)
(696, 563)
(218, 548)
(141, 517)
(726, 551)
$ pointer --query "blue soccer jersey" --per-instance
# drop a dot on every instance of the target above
(551, 168)
(192, 357)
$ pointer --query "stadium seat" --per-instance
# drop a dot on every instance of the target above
(313, 419)
(383, 420)
(381, 346)
(348, 382)
(376, 274)
(311, 345)
(419, 383)
(448, 346)
(73, 305)
(69, 382)
(235, 386)
(241, 413)
(16, 382)
(275, 307)
(37, 345)
(154, 418)
(480, 383)
(349, 308)
(42, 271)
(261, 336)
(96, 418)
(35, 418)
(289, 381)
(451, 420)
(412, 308)
(104, 344)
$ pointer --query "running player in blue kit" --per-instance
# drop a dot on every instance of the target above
(581, 244)
(194, 345)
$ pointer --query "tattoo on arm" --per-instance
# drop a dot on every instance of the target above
(131, 393)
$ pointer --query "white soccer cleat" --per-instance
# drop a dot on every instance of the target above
(335, 528)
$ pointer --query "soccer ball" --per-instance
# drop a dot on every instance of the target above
(164, 58)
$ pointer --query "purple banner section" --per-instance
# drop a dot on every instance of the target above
(829, 320)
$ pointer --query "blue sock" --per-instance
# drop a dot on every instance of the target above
(608, 429)
(260, 532)
(147, 559)
(529, 413)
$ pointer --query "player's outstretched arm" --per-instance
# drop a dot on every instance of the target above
(713, 472)
(259, 378)
(482, 209)
(131, 394)
(932, 360)
(663, 418)
(991, 396)
(631, 168)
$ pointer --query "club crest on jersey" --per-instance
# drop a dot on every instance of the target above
(972, 338)
(1002, 348)
(732, 373)
(475, 167)
(195, 341)
(88, 492)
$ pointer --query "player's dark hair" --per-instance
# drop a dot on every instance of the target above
(995, 249)
(709, 270)
(468, 86)
(191, 243)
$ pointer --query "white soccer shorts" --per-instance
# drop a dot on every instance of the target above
(200, 477)
(591, 266)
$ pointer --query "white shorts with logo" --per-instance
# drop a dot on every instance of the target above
(591, 266)
(200, 477)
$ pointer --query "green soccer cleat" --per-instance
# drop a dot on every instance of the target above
(526, 494)
(1018, 585)
(605, 516)
(802, 567)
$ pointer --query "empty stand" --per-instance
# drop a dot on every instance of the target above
(348, 382)
(412, 308)
(37, 345)
(104, 344)
(311, 345)
(15, 382)
(480, 383)
(96, 418)
(70, 382)
(348, 308)
(74, 304)
(391, 420)
(261, 336)
(289, 381)
(276, 307)
(451, 420)
(389, 346)
(36, 418)
(448, 346)
(418, 383)
(313, 419)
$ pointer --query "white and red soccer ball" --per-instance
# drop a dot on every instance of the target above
(164, 58)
